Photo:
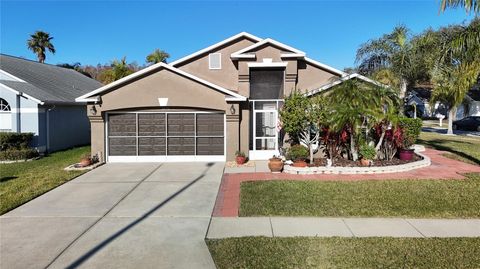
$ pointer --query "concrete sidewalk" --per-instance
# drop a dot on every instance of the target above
(223, 227)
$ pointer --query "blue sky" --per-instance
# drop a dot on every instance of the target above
(92, 32)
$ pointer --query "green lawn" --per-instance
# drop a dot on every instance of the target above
(21, 182)
(463, 148)
(261, 252)
(412, 198)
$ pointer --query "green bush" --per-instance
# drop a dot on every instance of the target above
(411, 129)
(15, 140)
(297, 152)
(17, 154)
(367, 152)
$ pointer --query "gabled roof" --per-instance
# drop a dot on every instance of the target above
(231, 96)
(292, 52)
(216, 45)
(341, 80)
(44, 83)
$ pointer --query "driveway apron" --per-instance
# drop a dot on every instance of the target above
(143, 215)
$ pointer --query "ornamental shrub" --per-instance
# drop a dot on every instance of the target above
(18, 154)
(367, 152)
(15, 140)
(411, 129)
(297, 152)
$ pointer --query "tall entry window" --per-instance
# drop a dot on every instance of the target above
(266, 95)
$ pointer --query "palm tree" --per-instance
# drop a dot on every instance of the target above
(157, 56)
(391, 51)
(458, 67)
(39, 43)
(358, 106)
(468, 5)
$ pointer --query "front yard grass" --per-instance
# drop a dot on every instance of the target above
(21, 182)
(462, 148)
(389, 198)
(261, 252)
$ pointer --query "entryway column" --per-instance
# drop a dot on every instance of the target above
(233, 132)
(97, 129)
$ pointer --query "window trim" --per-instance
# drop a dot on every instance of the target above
(210, 61)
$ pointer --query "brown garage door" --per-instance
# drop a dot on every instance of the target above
(166, 136)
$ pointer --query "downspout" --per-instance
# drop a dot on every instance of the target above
(18, 115)
(47, 123)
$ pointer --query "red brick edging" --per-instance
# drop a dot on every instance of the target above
(228, 198)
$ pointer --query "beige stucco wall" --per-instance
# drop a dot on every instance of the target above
(182, 93)
(227, 76)
(312, 77)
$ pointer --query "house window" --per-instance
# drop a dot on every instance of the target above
(5, 116)
(215, 61)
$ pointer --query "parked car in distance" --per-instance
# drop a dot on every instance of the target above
(470, 123)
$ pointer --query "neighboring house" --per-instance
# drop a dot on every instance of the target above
(205, 106)
(419, 97)
(40, 98)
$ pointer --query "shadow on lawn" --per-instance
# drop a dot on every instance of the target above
(440, 145)
(110, 239)
(5, 179)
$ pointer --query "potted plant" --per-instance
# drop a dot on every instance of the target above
(298, 154)
(368, 153)
(275, 164)
(86, 160)
(240, 157)
(410, 131)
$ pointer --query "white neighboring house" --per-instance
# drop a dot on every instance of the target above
(40, 98)
(419, 99)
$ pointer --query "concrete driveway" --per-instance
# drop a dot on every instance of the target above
(117, 216)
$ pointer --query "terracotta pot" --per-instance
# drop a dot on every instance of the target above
(275, 165)
(300, 163)
(240, 159)
(365, 162)
(406, 154)
(85, 162)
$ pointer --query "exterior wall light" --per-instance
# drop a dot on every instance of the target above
(232, 109)
(93, 110)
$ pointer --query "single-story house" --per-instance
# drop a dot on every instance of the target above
(205, 106)
(40, 98)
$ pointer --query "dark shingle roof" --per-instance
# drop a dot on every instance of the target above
(48, 83)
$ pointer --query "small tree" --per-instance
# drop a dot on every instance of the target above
(303, 118)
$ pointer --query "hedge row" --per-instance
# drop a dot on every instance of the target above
(15, 146)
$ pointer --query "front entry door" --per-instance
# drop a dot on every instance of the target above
(264, 129)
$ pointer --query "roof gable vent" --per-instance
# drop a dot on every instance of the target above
(215, 61)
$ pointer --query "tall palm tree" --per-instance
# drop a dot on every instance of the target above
(39, 43)
(391, 51)
(458, 67)
(157, 56)
(468, 5)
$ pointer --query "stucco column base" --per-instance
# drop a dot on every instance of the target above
(97, 124)
(232, 135)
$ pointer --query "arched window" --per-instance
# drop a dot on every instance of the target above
(5, 116)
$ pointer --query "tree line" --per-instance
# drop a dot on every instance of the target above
(40, 42)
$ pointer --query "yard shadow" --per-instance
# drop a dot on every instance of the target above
(440, 145)
(5, 179)
(110, 239)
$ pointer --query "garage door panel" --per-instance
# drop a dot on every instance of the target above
(151, 146)
(151, 124)
(165, 134)
(181, 146)
(181, 124)
(210, 146)
(122, 146)
(210, 124)
(122, 125)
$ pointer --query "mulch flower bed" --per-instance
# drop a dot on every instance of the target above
(349, 163)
